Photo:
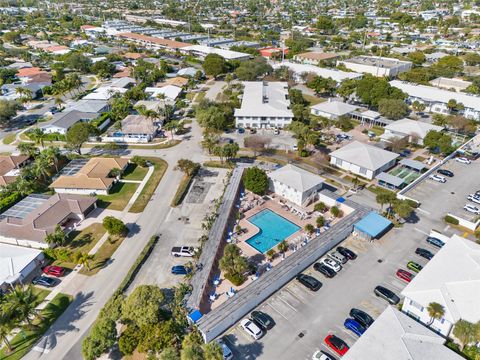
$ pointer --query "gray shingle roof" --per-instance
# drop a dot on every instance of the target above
(364, 155)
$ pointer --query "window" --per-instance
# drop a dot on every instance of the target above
(416, 305)
(339, 162)
(363, 170)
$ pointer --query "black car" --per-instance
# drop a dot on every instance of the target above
(309, 281)
(43, 281)
(325, 270)
(424, 253)
(349, 254)
(361, 317)
(435, 242)
(262, 320)
(445, 172)
(387, 294)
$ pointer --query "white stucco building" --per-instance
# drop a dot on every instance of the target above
(264, 105)
(412, 130)
(436, 99)
(295, 184)
(376, 65)
(362, 159)
(332, 109)
(452, 279)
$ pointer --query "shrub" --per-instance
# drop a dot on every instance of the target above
(336, 211)
(309, 228)
(9, 200)
(235, 279)
(320, 221)
(270, 254)
(114, 226)
(139, 161)
(129, 340)
(412, 203)
(320, 206)
(451, 220)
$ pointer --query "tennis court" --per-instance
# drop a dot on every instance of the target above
(407, 175)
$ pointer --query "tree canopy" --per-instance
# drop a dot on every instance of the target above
(214, 65)
(255, 180)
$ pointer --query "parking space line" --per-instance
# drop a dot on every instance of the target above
(296, 295)
(421, 231)
(278, 312)
(424, 211)
(287, 303)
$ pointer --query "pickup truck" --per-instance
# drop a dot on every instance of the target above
(185, 251)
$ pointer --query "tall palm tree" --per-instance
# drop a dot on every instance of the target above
(436, 311)
(38, 136)
(171, 126)
(52, 155)
(83, 258)
(22, 302)
(41, 167)
(28, 149)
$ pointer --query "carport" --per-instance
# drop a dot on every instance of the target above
(390, 181)
(372, 226)
(412, 165)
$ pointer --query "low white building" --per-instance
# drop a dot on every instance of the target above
(410, 129)
(395, 336)
(452, 279)
(300, 69)
(376, 65)
(436, 99)
(362, 159)
(332, 109)
(202, 51)
(295, 184)
(17, 263)
(264, 105)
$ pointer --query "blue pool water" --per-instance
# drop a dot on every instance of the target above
(273, 230)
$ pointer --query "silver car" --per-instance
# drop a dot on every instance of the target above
(335, 255)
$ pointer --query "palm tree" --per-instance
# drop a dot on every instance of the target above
(83, 258)
(23, 186)
(41, 166)
(171, 126)
(28, 149)
(58, 101)
(436, 311)
(52, 155)
(6, 326)
(22, 302)
(464, 331)
(38, 136)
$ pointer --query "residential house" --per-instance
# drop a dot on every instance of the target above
(170, 92)
(136, 128)
(64, 120)
(10, 166)
(332, 109)
(314, 57)
(17, 263)
(362, 159)
(451, 279)
(412, 130)
(300, 70)
(376, 65)
(94, 177)
(264, 105)
(202, 51)
(28, 222)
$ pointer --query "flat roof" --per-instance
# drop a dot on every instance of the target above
(227, 54)
(373, 224)
(383, 62)
(414, 164)
(335, 74)
(390, 179)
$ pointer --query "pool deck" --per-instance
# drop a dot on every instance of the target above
(282, 207)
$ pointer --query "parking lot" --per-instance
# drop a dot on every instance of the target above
(438, 199)
(282, 141)
(304, 318)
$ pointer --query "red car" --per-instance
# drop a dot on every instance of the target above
(404, 275)
(54, 270)
(336, 344)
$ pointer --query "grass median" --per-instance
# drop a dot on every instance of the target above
(160, 166)
(182, 189)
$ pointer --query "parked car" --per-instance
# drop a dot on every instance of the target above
(472, 209)
(354, 327)
(309, 282)
(294, 147)
(445, 172)
(424, 253)
(227, 353)
(349, 254)
(331, 264)
(361, 317)
(241, 130)
(463, 160)
(264, 321)
(336, 344)
(412, 265)
(53, 270)
(185, 251)
(336, 256)
(320, 355)
(180, 270)
(325, 270)
(437, 178)
(251, 328)
(386, 294)
(474, 198)
(404, 275)
(435, 242)
(43, 281)
(253, 131)
(276, 132)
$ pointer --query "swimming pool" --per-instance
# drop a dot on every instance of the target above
(273, 230)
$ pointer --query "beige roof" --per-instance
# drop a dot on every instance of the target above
(93, 175)
(318, 56)
(7, 164)
(177, 81)
(42, 220)
(138, 124)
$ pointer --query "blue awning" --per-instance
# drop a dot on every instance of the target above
(373, 224)
(194, 316)
(341, 200)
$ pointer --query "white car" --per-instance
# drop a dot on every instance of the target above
(474, 198)
(336, 256)
(437, 178)
(472, 209)
(251, 329)
(463, 160)
(318, 355)
(332, 264)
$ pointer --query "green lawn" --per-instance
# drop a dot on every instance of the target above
(40, 294)
(82, 241)
(163, 145)
(135, 172)
(10, 138)
(119, 196)
(159, 169)
(103, 255)
(23, 342)
(313, 100)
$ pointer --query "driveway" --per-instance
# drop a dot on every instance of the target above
(282, 141)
